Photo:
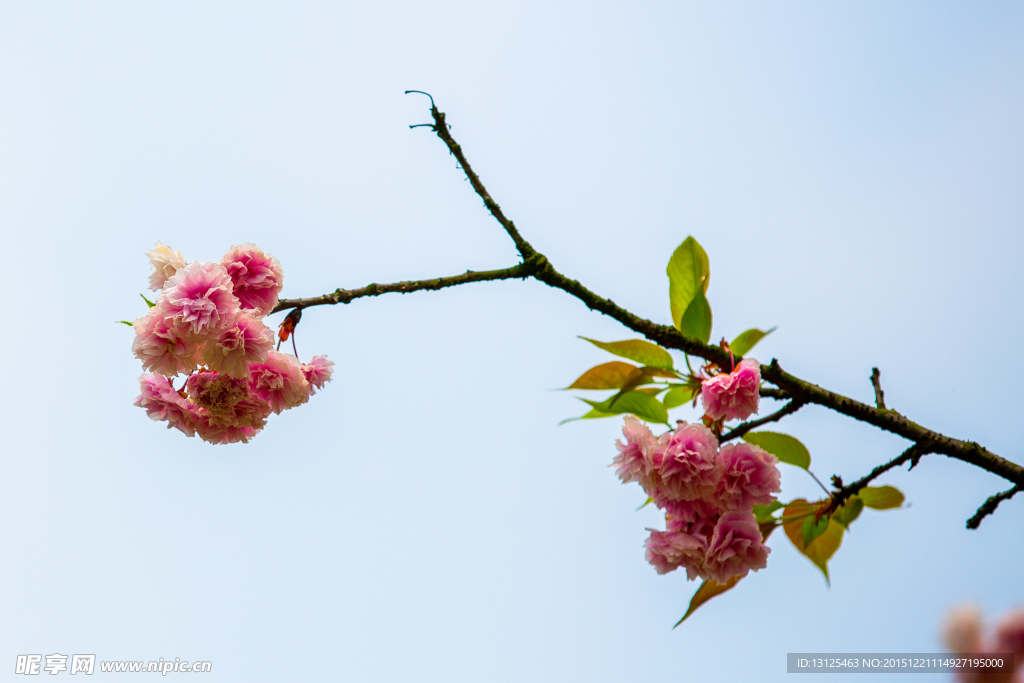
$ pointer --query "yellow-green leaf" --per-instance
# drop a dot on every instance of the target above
(148, 302)
(677, 396)
(688, 270)
(763, 513)
(811, 529)
(639, 403)
(605, 376)
(849, 512)
(747, 340)
(592, 414)
(126, 323)
(821, 548)
(696, 320)
(643, 352)
(881, 497)
(708, 589)
(639, 377)
(786, 448)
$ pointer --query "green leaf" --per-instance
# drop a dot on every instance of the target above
(688, 271)
(677, 396)
(822, 547)
(696, 320)
(643, 352)
(638, 377)
(148, 302)
(881, 497)
(708, 589)
(125, 322)
(639, 403)
(763, 513)
(748, 340)
(786, 448)
(646, 503)
(849, 512)
(810, 529)
(606, 376)
(591, 415)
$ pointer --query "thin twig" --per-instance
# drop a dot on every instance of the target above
(990, 505)
(740, 430)
(879, 394)
(344, 296)
(441, 128)
(843, 494)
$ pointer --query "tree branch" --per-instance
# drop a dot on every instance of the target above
(742, 429)
(777, 394)
(536, 265)
(990, 505)
(344, 296)
(877, 384)
(440, 127)
(843, 494)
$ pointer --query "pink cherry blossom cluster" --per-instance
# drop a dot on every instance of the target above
(708, 494)
(963, 635)
(734, 395)
(208, 323)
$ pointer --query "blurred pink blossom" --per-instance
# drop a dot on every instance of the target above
(257, 278)
(1010, 635)
(734, 395)
(963, 632)
(749, 476)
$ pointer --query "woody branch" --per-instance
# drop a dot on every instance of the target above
(534, 264)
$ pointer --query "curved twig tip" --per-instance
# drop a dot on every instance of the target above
(420, 92)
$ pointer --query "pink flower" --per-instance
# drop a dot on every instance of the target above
(279, 382)
(733, 396)
(226, 401)
(669, 550)
(962, 630)
(162, 402)
(214, 433)
(631, 463)
(736, 547)
(257, 278)
(198, 300)
(681, 515)
(161, 347)
(749, 476)
(683, 463)
(318, 373)
(1010, 635)
(165, 264)
(245, 340)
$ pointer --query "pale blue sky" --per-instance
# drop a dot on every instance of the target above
(854, 171)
